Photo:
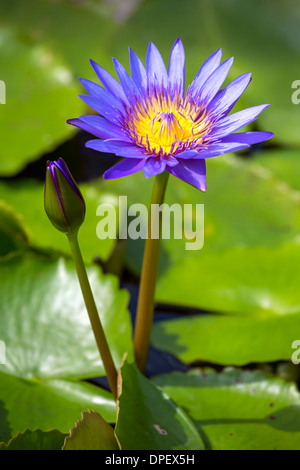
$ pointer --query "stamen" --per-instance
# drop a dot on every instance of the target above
(165, 124)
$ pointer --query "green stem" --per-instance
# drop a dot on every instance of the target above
(145, 308)
(93, 315)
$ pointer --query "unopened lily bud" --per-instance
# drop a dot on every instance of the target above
(63, 200)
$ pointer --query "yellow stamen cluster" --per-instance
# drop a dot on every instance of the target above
(166, 126)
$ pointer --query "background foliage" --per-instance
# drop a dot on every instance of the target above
(227, 313)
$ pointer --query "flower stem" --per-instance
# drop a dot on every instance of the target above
(145, 308)
(93, 315)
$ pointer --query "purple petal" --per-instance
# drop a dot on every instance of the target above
(130, 89)
(138, 71)
(225, 99)
(215, 81)
(100, 127)
(78, 122)
(236, 121)
(102, 107)
(61, 164)
(169, 160)
(188, 154)
(124, 168)
(176, 69)
(119, 148)
(191, 171)
(206, 70)
(155, 66)
(154, 166)
(102, 94)
(250, 138)
(214, 150)
(110, 83)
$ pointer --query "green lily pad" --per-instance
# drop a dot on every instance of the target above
(148, 419)
(247, 206)
(244, 205)
(47, 404)
(44, 322)
(50, 345)
(39, 99)
(252, 281)
(284, 164)
(228, 340)
(91, 432)
(54, 23)
(49, 58)
(272, 37)
(238, 410)
(35, 440)
(27, 197)
(13, 235)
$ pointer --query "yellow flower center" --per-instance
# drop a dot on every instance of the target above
(165, 126)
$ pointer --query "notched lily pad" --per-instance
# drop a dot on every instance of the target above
(238, 410)
(35, 440)
(148, 419)
(91, 432)
(50, 346)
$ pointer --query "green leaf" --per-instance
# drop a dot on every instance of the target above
(148, 419)
(272, 37)
(253, 281)
(49, 57)
(54, 23)
(35, 440)
(238, 410)
(91, 432)
(39, 99)
(284, 164)
(13, 234)
(27, 197)
(228, 340)
(50, 344)
(47, 404)
(244, 205)
(43, 314)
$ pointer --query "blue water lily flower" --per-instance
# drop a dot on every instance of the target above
(150, 120)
